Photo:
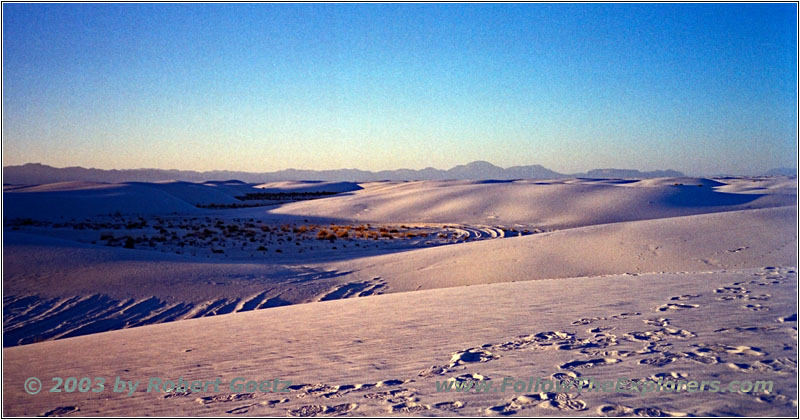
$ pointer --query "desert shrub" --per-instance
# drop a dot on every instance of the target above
(136, 225)
(128, 242)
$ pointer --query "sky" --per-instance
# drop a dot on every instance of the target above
(700, 88)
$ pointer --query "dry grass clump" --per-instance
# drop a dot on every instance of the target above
(324, 234)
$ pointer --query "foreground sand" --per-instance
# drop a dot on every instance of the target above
(689, 279)
(382, 355)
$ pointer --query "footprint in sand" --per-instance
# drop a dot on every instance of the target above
(607, 353)
(473, 355)
(552, 400)
(389, 382)
(776, 399)
(553, 335)
(60, 411)
(449, 405)
(273, 403)
(684, 297)
(225, 398)
(661, 360)
(737, 350)
(730, 297)
(676, 307)
(782, 365)
(668, 376)
(731, 289)
(755, 307)
(600, 330)
(615, 410)
(316, 409)
(599, 341)
(317, 390)
(475, 377)
(340, 409)
(618, 410)
(677, 332)
(659, 335)
(174, 394)
(241, 410)
(759, 329)
(336, 391)
(652, 347)
(409, 407)
(658, 322)
(624, 315)
(565, 376)
(395, 396)
(433, 371)
(587, 321)
(537, 341)
(582, 364)
(731, 293)
(701, 357)
(740, 249)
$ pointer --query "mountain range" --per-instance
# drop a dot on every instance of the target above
(36, 173)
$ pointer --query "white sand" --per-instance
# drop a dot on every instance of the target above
(609, 247)
(396, 337)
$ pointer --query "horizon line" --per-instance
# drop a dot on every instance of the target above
(391, 170)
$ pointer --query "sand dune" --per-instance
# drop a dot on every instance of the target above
(149, 287)
(86, 199)
(544, 204)
(308, 186)
(663, 278)
(703, 242)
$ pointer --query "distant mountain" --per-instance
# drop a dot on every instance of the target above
(782, 172)
(36, 173)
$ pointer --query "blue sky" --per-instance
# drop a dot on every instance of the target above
(701, 88)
